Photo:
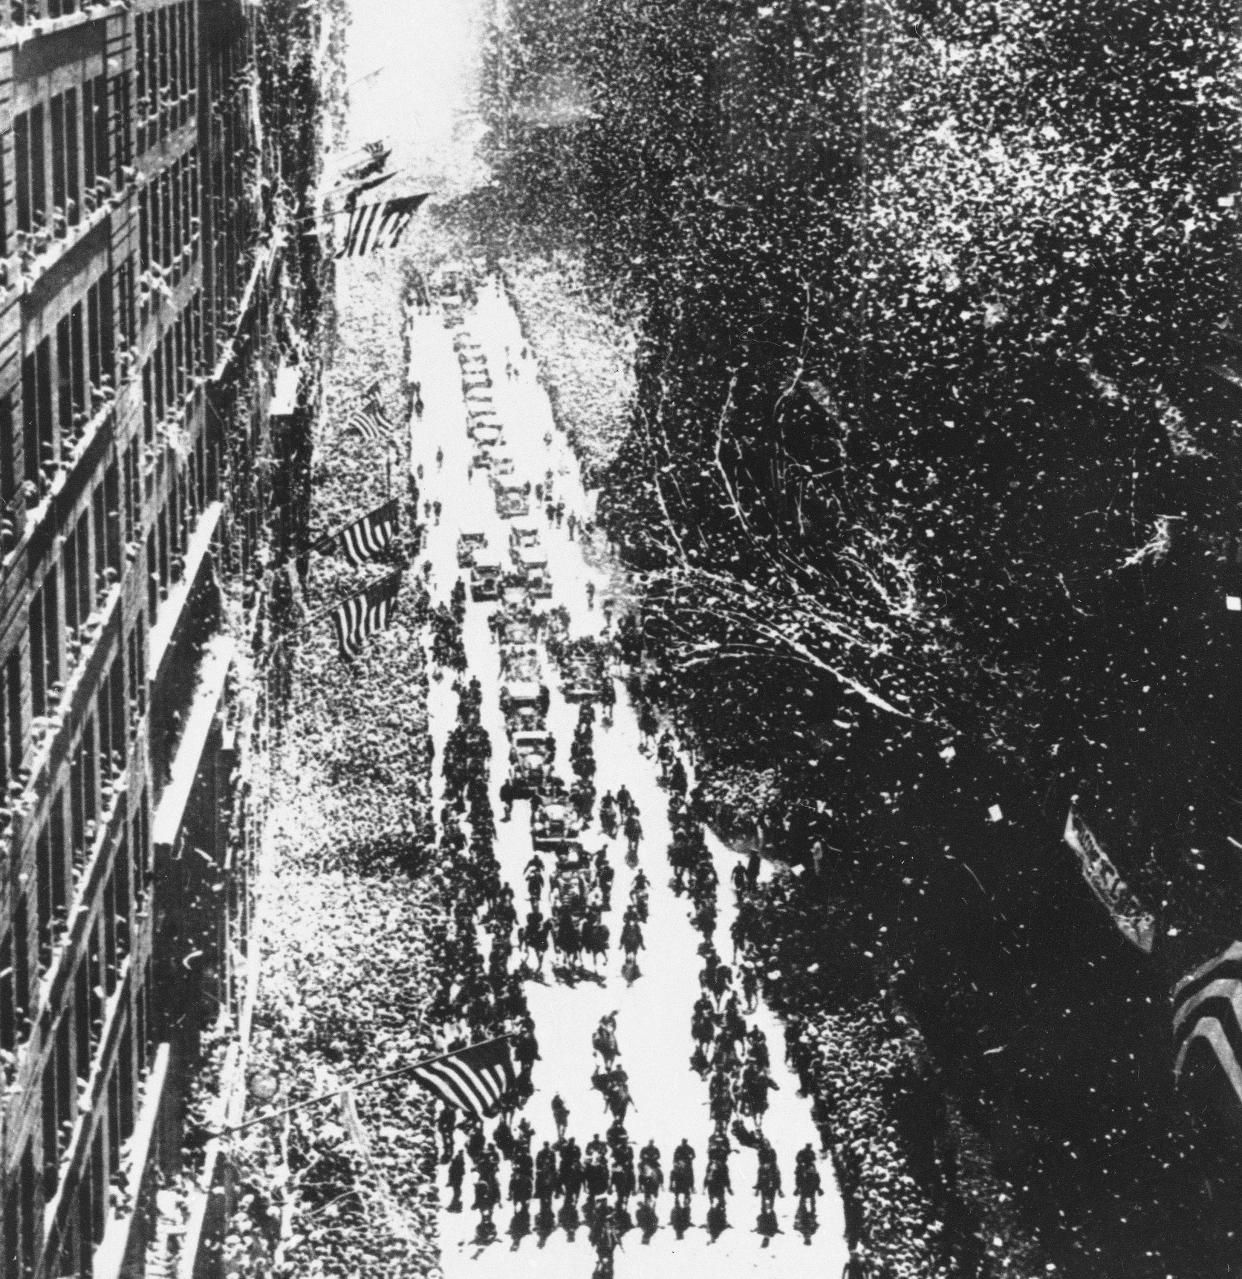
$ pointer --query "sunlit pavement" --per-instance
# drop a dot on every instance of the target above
(654, 1012)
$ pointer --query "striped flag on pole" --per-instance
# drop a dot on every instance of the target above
(473, 1079)
(1207, 1010)
(364, 539)
(378, 224)
(369, 420)
(364, 613)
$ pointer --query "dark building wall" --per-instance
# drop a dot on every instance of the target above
(137, 265)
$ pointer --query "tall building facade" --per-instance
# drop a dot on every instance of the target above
(153, 386)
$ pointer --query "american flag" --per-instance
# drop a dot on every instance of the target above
(370, 420)
(364, 613)
(1207, 1011)
(473, 1079)
(378, 224)
(365, 538)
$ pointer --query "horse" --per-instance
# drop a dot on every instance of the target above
(534, 885)
(535, 938)
(681, 1182)
(768, 1186)
(633, 834)
(808, 1186)
(571, 1182)
(754, 1093)
(618, 1102)
(631, 938)
(485, 1197)
(732, 1024)
(757, 1049)
(715, 978)
(703, 1024)
(595, 1175)
(608, 815)
(545, 1187)
(520, 1188)
(650, 1180)
(717, 1184)
(595, 938)
(604, 1040)
(566, 938)
(623, 1184)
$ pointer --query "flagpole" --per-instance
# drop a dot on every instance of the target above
(363, 1083)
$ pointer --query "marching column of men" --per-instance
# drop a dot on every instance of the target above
(608, 1172)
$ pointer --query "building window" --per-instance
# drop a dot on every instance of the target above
(21, 162)
(69, 571)
(4, 209)
(8, 1004)
(86, 570)
(60, 155)
(43, 897)
(140, 69)
(8, 452)
(21, 967)
(148, 403)
(153, 578)
(110, 544)
(64, 381)
(48, 451)
(38, 659)
(116, 699)
(73, 187)
(13, 715)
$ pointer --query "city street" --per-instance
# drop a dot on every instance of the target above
(654, 1010)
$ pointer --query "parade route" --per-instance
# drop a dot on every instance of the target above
(670, 1100)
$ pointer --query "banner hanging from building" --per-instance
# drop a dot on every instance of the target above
(1136, 924)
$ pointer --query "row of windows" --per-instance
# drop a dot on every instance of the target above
(62, 852)
(81, 1026)
(90, 562)
(24, 11)
(66, 379)
(166, 53)
(168, 227)
(235, 217)
(176, 360)
(77, 1231)
(61, 160)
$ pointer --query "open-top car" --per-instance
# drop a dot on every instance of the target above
(532, 566)
(583, 672)
(485, 434)
(524, 704)
(530, 757)
(522, 535)
(485, 579)
(468, 546)
(519, 663)
(552, 824)
(511, 500)
(514, 627)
